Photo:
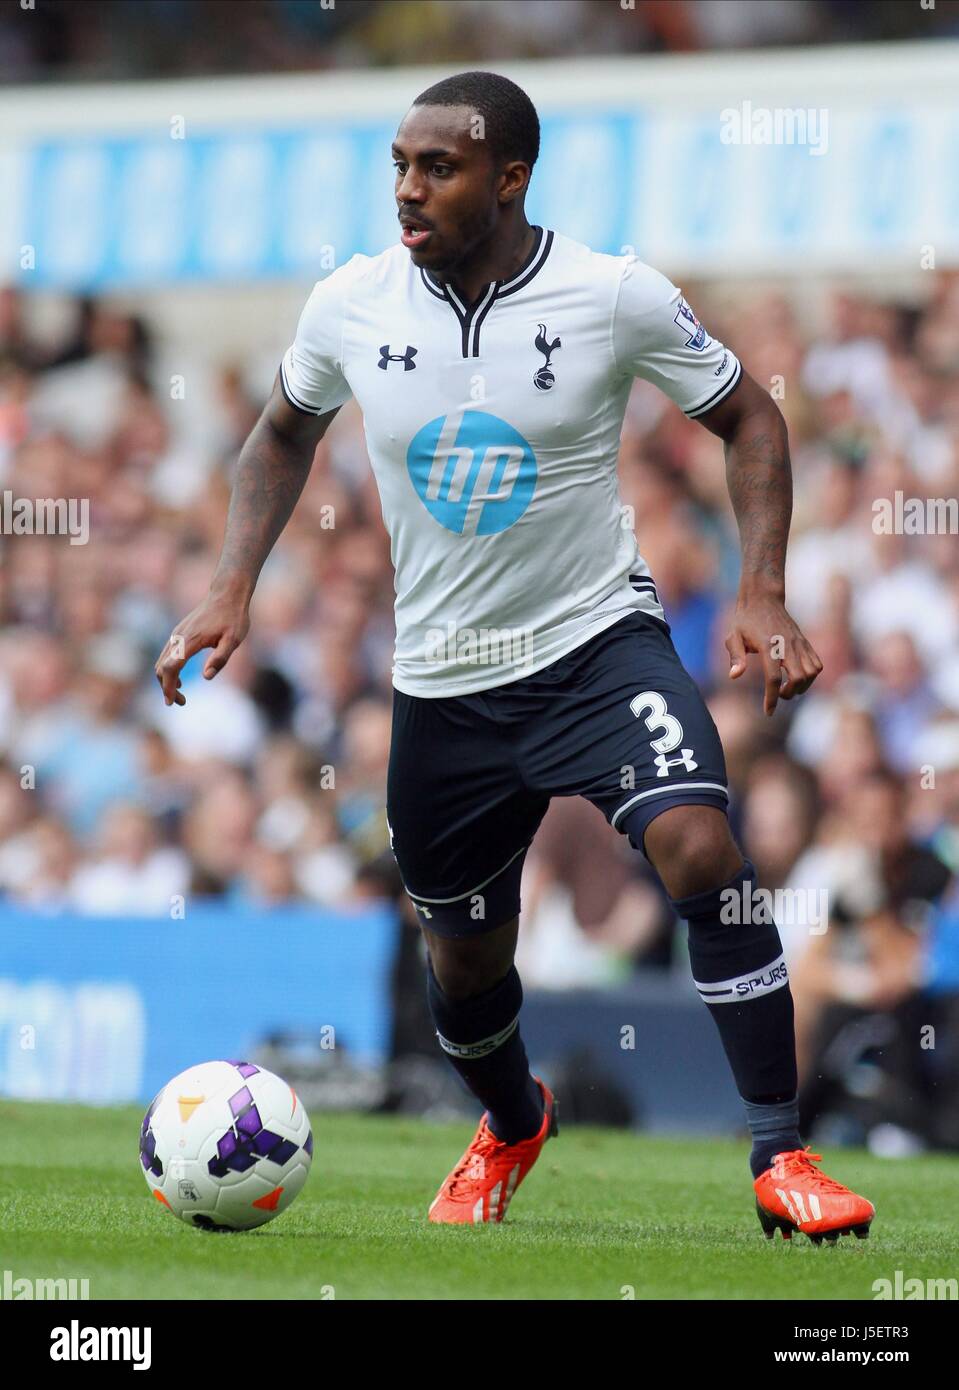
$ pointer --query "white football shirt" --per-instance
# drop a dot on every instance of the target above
(493, 431)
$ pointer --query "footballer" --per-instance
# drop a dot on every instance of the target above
(492, 361)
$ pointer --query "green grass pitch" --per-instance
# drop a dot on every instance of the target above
(603, 1215)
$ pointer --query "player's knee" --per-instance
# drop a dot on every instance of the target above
(692, 849)
(459, 979)
(473, 965)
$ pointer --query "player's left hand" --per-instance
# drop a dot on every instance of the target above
(761, 625)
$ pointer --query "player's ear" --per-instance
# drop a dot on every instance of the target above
(513, 180)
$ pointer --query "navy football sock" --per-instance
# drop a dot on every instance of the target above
(774, 1128)
(739, 970)
(481, 1037)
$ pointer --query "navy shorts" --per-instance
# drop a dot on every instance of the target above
(618, 720)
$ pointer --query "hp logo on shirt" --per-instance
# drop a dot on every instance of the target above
(472, 471)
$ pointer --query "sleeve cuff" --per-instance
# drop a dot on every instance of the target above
(718, 395)
(291, 395)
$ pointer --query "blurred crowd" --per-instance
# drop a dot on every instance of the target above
(116, 39)
(847, 801)
(269, 784)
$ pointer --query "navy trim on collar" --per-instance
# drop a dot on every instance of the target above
(471, 316)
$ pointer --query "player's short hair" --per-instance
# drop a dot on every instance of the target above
(510, 121)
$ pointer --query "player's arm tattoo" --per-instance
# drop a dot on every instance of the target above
(271, 472)
(759, 479)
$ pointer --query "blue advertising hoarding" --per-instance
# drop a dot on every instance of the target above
(701, 187)
(108, 1010)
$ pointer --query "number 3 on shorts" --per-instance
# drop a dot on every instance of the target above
(651, 704)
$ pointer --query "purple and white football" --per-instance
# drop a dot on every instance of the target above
(226, 1146)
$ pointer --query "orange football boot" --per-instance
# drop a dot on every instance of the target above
(482, 1184)
(793, 1195)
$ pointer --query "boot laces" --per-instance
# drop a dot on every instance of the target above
(476, 1156)
(800, 1163)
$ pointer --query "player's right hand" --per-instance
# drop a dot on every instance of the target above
(220, 623)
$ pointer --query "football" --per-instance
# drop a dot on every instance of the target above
(226, 1146)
